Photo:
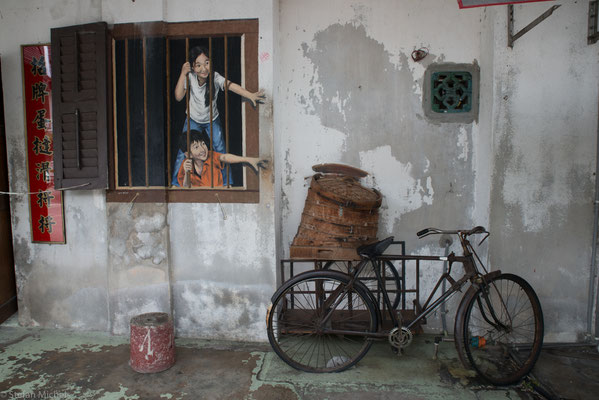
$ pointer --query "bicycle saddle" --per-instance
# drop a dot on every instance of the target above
(376, 248)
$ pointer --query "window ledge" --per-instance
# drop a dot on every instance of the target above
(183, 196)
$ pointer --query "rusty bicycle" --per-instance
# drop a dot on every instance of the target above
(326, 320)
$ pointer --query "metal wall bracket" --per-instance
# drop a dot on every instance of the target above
(511, 37)
(593, 36)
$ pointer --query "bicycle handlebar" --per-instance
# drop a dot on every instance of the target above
(436, 231)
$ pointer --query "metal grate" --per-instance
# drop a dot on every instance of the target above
(451, 91)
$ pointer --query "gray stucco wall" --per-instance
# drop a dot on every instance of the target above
(341, 87)
(214, 274)
(138, 262)
(544, 140)
(62, 286)
(353, 95)
(350, 93)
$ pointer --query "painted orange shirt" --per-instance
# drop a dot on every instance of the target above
(204, 178)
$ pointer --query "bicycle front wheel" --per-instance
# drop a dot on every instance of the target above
(503, 329)
(317, 323)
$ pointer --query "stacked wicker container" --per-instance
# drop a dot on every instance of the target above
(339, 215)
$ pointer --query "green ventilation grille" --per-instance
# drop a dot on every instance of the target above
(451, 91)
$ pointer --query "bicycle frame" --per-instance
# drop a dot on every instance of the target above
(471, 273)
(342, 309)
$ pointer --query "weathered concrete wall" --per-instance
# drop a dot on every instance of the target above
(138, 262)
(220, 266)
(64, 285)
(122, 259)
(544, 139)
(225, 271)
(347, 91)
(58, 285)
(350, 93)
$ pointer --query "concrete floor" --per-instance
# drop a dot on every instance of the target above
(40, 363)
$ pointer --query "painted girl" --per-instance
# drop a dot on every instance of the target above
(198, 67)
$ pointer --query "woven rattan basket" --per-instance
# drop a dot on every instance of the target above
(339, 215)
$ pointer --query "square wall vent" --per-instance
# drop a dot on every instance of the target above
(451, 92)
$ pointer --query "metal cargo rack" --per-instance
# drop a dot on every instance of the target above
(408, 269)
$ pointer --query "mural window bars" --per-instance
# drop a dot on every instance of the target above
(148, 122)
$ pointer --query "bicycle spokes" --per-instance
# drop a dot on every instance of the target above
(319, 323)
(503, 329)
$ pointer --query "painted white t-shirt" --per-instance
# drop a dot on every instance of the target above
(197, 108)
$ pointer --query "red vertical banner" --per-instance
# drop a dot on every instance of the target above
(45, 203)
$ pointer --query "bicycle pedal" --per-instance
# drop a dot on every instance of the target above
(396, 351)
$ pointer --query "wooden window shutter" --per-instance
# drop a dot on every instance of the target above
(79, 106)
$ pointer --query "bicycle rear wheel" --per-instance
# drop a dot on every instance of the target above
(317, 322)
(503, 329)
(389, 276)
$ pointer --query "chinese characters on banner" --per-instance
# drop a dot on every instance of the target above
(45, 203)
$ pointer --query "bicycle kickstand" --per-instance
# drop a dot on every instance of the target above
(439, 339)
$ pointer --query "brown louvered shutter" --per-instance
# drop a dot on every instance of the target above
(79, 106)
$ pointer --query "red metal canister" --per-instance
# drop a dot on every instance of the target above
(152, 342)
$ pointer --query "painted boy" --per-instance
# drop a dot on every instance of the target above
(198, 167)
